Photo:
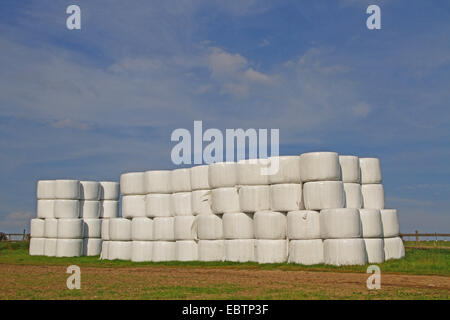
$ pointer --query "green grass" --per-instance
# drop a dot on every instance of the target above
(433, 261)
(22, 280)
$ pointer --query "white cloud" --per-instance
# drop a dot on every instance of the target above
(361, 110)
(264, 43)
(256, 76)
(69, 123)
(224, 64)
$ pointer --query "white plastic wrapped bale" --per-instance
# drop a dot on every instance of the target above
(182, 204)
(240, 250)
(50, 247)
(370, 170)
(67, 189)
(209, 227)
(288, 169)
(393, 248)
(69, 247)
(389, 220)
(199, 178)
(238, 225)
(92, 247)
(181, 180)
(340, 223)
(158, 181)
(67, 209)
(90, 209)
(119, 250)
(225, 200)
(350, 171)
(320, 166)
(70, 228)
(104, 253)
(271, 251)
(132, 183)
(37, 246)
(89, 190)
(158, 205)
(186, 250)
(307, 252)
(374, 250)
(105, 229)
(185, 228)
(303, 225)
(46, 189)
(163, 250)
(371, 225)
(141, 251)
(341, 252)
(119, 229)
(211, 250)
(286, 197)
(109, 209)
(51, 228)
(270, 225)
(201, 202)
(163, 228)
(109, 190)
(323, 195)
(353, 195)
(142, 229)
(373, 196)
(133, 206)
(92, 228)
(253, 172)
(222, 174)
(254, 198)
(45, 209)
(37, 228)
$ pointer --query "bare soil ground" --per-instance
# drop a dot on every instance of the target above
(155, 282)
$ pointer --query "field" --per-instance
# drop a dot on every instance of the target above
(423, 274)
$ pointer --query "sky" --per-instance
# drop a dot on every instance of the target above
(93, 103)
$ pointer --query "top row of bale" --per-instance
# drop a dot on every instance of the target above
(308, 167)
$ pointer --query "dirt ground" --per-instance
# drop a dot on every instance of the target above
(49, 282)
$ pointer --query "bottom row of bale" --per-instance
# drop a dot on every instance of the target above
(307, 252)
(336, 236)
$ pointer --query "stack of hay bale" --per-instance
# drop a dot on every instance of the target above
(227, 221)
(393, 244)
(69, 216)
(254, 199)
(372, 195)
(387, 245)
(210, 246)
(45, 215)
(58, 230)
(159, 208)
(323, 191)
(214, 194)
(109, 209)
(132, 190)
(318, 207)
(90, 214)
(286, 195)
(184, 222)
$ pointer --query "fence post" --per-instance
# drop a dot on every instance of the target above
(417, 237)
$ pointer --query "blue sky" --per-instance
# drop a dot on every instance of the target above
(94, 103)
